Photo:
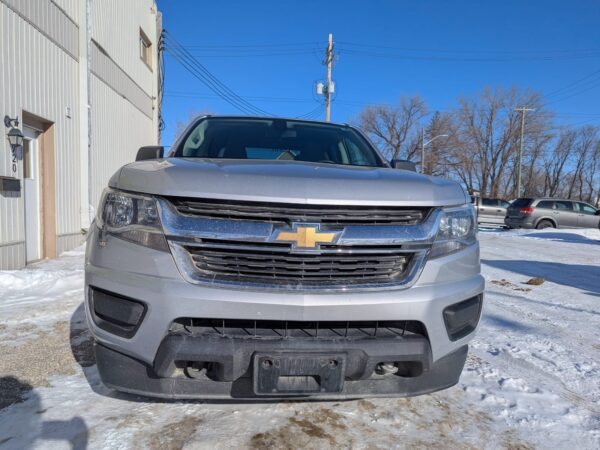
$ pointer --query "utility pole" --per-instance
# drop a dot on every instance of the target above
(422, 150)
(328, 87)
(520, 158)
(329, 90)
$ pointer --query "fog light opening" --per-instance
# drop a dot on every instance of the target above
(462, 318)
(115, 313)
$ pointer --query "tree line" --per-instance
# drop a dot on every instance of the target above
(482, 144)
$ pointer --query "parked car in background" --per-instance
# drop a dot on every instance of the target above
(490, 211)
(551, 213)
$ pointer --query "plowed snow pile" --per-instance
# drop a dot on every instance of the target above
(532, 378)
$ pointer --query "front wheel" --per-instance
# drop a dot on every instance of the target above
(544, 224)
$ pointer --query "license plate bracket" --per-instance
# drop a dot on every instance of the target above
(285, 373)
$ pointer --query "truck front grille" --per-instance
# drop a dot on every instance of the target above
(274, 264)
(277, 329)
(289, 212)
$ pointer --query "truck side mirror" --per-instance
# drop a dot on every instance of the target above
(150, 152)
(403, 164)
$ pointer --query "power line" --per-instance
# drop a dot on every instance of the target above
(575, 93)
(554, 52)
(250, 46)
(197, 69)
(574, 83)
(211, 81)
(523, 58)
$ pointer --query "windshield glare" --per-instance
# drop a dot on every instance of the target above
(278, 139)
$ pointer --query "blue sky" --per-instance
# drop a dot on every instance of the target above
(270, 53)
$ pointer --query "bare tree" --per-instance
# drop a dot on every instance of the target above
(482, 147)
(394, 129)
(439, 154)
(488, 128)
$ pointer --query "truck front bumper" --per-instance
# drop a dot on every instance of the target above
(135, 362)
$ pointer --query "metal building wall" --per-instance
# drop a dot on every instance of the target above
(38, 74)
(123, 87)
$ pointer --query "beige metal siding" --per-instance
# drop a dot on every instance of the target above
(123, 47)
(70, 7)
(37, 76)
(108, 71)
(50, 20)
(69, 241)
(119, 129)
(40, 74)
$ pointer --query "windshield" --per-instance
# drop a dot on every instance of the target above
(278, 139)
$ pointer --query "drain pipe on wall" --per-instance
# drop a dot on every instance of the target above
(85, 115)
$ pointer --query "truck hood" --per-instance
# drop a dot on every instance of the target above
(286, 182)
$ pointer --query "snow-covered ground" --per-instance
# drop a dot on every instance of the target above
(532, 378)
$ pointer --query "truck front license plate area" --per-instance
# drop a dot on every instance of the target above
(298, 373)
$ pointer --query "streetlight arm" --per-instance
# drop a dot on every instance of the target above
(434, 138)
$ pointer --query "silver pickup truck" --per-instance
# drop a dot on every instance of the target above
(277, 258)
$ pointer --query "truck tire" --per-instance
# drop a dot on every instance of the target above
(544, 224)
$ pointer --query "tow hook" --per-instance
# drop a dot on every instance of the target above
(386, 368)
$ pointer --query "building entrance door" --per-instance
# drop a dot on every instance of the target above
(31, 188)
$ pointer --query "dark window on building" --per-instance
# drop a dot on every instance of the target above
(145, 49)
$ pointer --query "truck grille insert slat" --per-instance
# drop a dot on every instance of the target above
(273, 267)
(277, 329)
(287, 213)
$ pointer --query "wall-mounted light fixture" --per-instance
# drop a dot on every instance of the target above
(15, 136)
(15, 139)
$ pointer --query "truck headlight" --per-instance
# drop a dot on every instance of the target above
(457, 230)
(132, 217)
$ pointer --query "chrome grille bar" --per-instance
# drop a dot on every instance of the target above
(287, 213)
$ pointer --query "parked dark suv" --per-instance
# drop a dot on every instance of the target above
(551, 212)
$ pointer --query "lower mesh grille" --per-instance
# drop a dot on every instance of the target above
(273, 263)
(277, 329)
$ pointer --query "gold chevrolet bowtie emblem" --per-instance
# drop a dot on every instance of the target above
(306, 237)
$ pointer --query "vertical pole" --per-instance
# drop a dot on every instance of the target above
(85, 114)
(422, 150)
(520, 156)
(329, 61)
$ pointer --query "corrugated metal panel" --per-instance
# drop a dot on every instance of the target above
(68, 242)
(123, 47)
(50, 20)
(12, 256)
(38, 77)
(70, 7)
(109, 72)
(41, 77)
(118, 131)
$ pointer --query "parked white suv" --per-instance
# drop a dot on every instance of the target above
(275, 258)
